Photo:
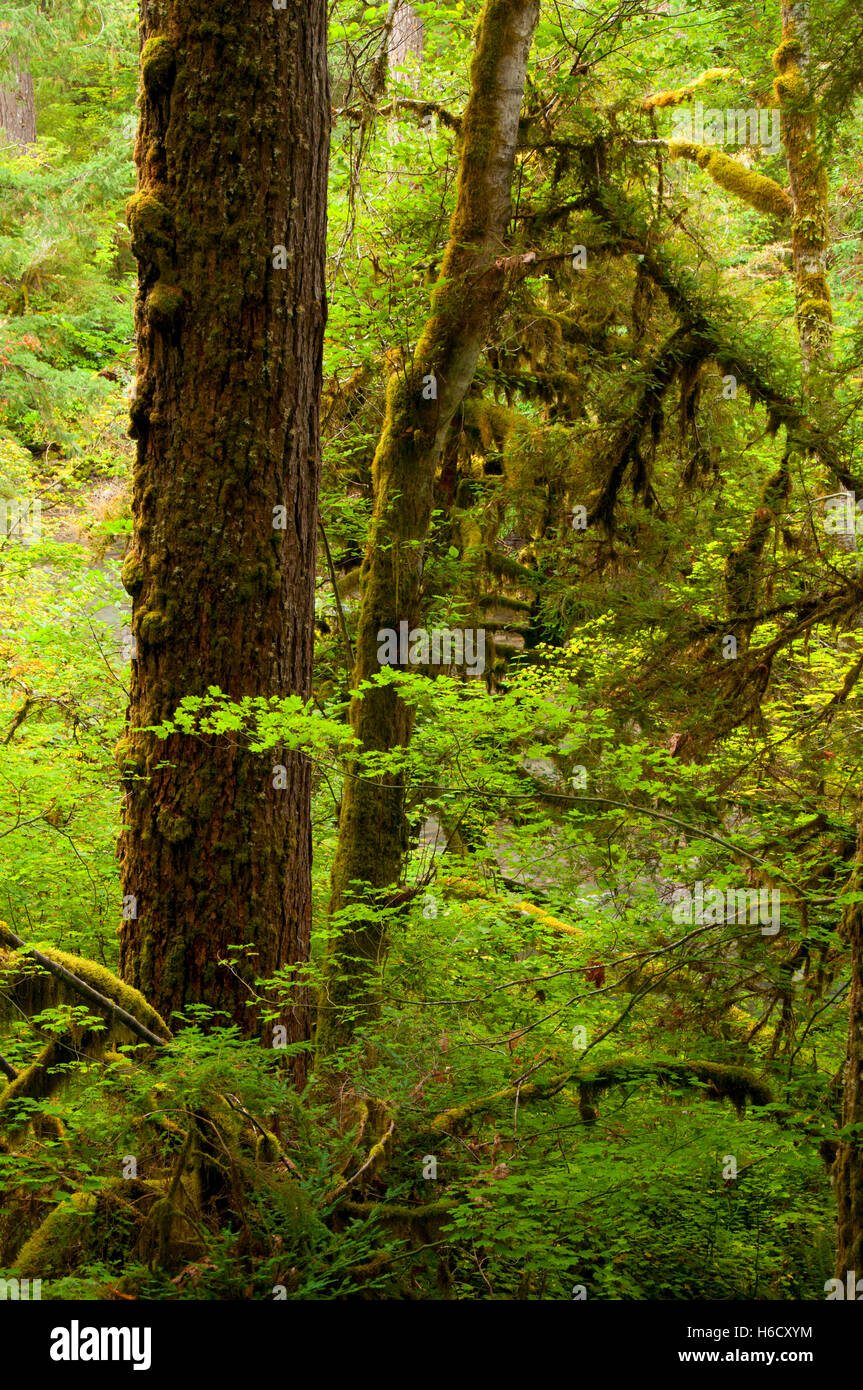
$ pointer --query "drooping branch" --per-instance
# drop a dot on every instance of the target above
(725, 338)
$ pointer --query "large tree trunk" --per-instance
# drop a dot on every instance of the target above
(848, 1168)
(810, 232)
(18, 108)
(232, 162)
(372, 830)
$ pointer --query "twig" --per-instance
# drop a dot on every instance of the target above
(342, 623)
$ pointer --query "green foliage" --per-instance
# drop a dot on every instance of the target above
(580, 1064)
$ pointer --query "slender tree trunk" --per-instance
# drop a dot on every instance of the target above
(422, 398)
(18, 108)
(232, 163)
(405, 48)
(807, 177)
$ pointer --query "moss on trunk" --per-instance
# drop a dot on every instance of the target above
(372, 829)
(232, 158)
(807, 178)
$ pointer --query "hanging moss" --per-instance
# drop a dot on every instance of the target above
(722, 1082)
(743, 565)
(790, 51)
(790, 85)
(506, 567)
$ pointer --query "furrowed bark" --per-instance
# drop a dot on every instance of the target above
(18, 106)
(228, 227)
(372, 831)
(848, 1167)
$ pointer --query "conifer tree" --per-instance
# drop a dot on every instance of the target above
(227, 227)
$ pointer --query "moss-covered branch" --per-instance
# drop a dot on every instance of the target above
(678, 95)
(721, 1082)
(764, 194)
(125, 1006)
